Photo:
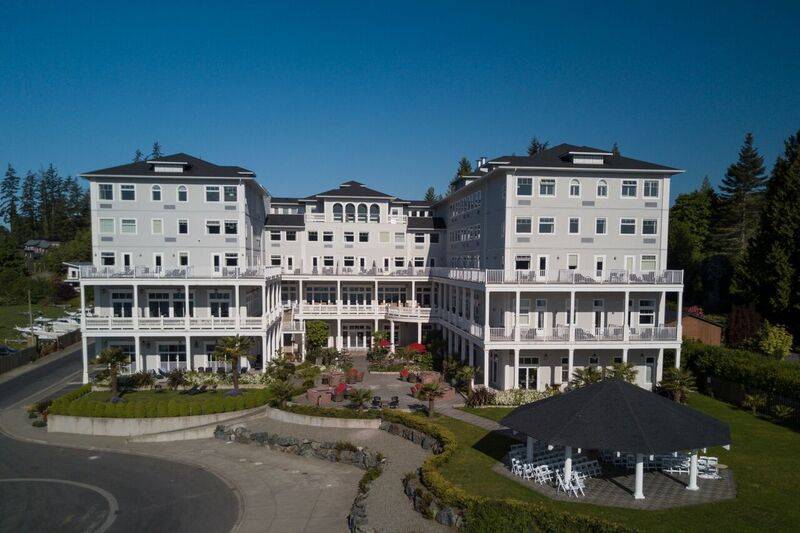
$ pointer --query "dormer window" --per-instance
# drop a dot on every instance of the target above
(168, 166)
(587, 158)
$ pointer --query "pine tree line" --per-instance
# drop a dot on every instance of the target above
(43, 205)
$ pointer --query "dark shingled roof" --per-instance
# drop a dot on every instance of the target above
(283, 200)
(617, 416)
(353, 189)
(282, 220)
(194, 167)
(429, 223)
(557, 157)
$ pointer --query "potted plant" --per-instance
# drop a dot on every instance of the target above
(404, 373)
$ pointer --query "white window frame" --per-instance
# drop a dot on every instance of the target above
(547, 181)
(539, 225)
(100, 192)
(185, 189)
(235, 189)
(516, 226)
(152, 226)
(655, 226)
(520, 178)
(604, 184)
(642, 261)
(100, 226)
(577, 261)
(225, 227)
(180, 255)
(326, 235)
(156, 188)
(635, 183)
(218, 223)
(178, 226)
(105, 255)
(605, 225)
(574, 182)
(622, 221)
(132, 188)
(569, 226)
(648, 310)
(657, 184)
(315, 234)
(122, 225)
(212, 188)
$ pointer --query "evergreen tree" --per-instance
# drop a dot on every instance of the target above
(464, 169)
(615, 149)
(156, 152)
(430, 195)
(769, 271)
(138, 156)
(741, 190)
(536, 146)
(8, 198)
(27, 207)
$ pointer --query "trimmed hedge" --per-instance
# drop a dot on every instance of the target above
(332, 412)
(749, 369)
(487, 514)
(71, 404)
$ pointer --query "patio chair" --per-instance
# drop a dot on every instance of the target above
(516, 467)
(190, 391)
(395, 403)
(376, 402)
(201, 390)
(578, 484)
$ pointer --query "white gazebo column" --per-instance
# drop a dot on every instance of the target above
(567, 463)
(693, 472)
(515, 379)
(529, 449)
(638, 492)
(263, 353)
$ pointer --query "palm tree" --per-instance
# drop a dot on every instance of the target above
(430, 392)
(114, 358)
(465, 375)
(230, 350)
(359, 397)
(677, 383)
(624, 371)
(282, 392)
(585, 376)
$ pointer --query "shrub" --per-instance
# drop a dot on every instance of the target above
(480, 397)
(774, 340)
(754, 402)
(369, 476)
(518, 397)
(784, 413)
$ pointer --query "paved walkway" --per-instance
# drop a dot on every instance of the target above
(388, 508)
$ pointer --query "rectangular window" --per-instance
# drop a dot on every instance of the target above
(629, 188)
(384, 236)
(183, 259)
(231, 227)
(399, 238)
(107, 258)
(419, 238)
(212, 227)
(274, 235)
(564, 369)
(648, 263)
(105, 191)
(107, 225)
(572, 261)
(230, 193)
(649, 227)
(399, 262)
(183, 194)
(349, 236)
(363, 236)
(547, 187)
(651, 188)
(419, 262)
(524, 225)
(313, 236)
(650, 369)
(627, 226)
(127, 192)
(327, 261)
(647, 312)
(183, 227)
(600, 226)
(547, 225)
(434, 238)
(574, 225)
(291, 235)
(155, 193)
(212, 193)
(522, 262)
(127, 226)
(524, 186)
(157, 226)
(349, 261)
(231, 259)
(275, 260)
(327, 236)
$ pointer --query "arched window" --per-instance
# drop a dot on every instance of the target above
(374, 213)
(350, 213)
(574, 188)
(183, 193)
(337, 212)
(362, 212)
(602, 189)
(155, 193)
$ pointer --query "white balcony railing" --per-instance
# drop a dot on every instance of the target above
(653, 334)
(147, 273)
(394, 311)
(567, 277)
(398, 219)
(559, 333)
(100, 323)
(315, 217)
(612, 333)
(501, 334)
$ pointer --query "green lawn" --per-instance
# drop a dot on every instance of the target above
(765, 459)
(17, 315)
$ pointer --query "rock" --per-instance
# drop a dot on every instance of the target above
(259, 438)
(449, 517)
(285, 441)
(426, 443)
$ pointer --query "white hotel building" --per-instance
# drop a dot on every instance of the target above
(531, 268)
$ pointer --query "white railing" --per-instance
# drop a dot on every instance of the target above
(558, 333)
(315, 217)
(398, 219)
(179, 323)
(417, 272)
(143, 272)
(501, 334)
(573, 277)
(611, 333)
(169, 366)
(394, 311)
(653, 334)
(460, 274)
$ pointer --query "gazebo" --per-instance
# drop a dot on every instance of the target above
(615, 415)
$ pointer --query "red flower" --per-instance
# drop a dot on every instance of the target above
(404, 372)
(416, 347)
(385, 343)
(340, 388)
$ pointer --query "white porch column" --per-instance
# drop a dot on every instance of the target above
(567, 463)
(137, 353)
(693, 472)
(570, 364)
(515, 379)
(135, 312)
(85, 348)
(572, 316)
(516, 327)
(638, 492)
(626, 330)
(338, 342)
(300, 296)
(678, 357)
(236, 300)
(413, 294)
(625, 355)
(391, 335)
(339, 297)
(264, 306)
(679, 322)
(186, 306)
(263, 353)
(486, 302)
(529, 449)
(486, 367)
(188, 341)
(419, 332)
(660, 365)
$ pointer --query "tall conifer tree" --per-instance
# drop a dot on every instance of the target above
(741, 190)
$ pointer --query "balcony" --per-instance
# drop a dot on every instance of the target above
(102, 323)
(315, 217)
(654, 334)
(182, 273)
(560, 277)
(584, 335)
(612, 333)
(557, 334)
(365, 310)
(393, 311)
(416, 272)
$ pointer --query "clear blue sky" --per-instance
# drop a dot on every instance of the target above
(393, 94)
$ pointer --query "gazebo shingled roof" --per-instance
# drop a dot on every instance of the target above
(618, 416)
